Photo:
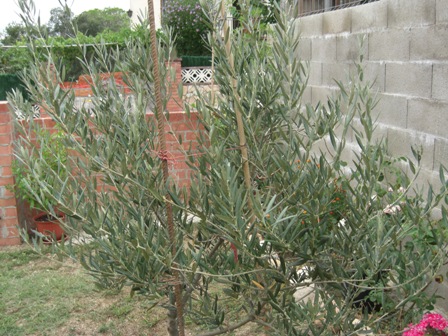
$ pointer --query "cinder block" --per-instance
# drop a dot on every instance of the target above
(350, 47)
(429, 43)
(324, 49)
(348, 155)
(335, 22)
(306, 97)
(332, 72)
(374, 74)
(441, 289)
(338, 131)
(310, 25)
(400, 142)
(440, 152)
(426, 177)
(391, 110)
(440, 81)
(304, 50)
(321, 94)
(390, 45)
(411, 13)
(368, 17)
(323, 148)
(428, 116)
(441, 11)
(315, 71)
(379, 134)
(411, 79)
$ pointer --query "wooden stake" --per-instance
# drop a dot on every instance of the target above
(164, 157)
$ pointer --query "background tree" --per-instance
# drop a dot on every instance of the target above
(14, 32)
(96, 21)
(60, 22)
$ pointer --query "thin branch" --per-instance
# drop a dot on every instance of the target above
(228, 329)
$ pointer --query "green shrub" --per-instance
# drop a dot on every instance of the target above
(14, 59)
(46, 153)
(8, 82)
(194, 61)
(69, 53)
(190, 26)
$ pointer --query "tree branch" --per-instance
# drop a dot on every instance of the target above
(248, 319)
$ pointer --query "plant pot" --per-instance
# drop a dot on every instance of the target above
(49, 226)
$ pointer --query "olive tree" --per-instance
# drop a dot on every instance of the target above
(278, 205)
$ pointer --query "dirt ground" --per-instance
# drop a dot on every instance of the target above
(90, 311)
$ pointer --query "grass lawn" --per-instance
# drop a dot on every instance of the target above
(41, 296)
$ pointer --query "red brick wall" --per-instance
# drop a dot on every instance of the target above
(82, 87)
(179, 126)
(9, 234)
(175, 102)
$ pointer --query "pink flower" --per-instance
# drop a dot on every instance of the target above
(434, 321)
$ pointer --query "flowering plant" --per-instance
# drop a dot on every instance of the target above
(190, 25)
(431, 324)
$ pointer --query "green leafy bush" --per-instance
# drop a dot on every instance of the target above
(68, 53)
(193, 61)
(15, 59)
(46, 153)
(9, 82)
(190, 26)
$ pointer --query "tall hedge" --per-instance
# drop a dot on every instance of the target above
(67, 52)
(191, 61)
(8, 82)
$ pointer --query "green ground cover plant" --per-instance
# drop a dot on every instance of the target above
(278, 202)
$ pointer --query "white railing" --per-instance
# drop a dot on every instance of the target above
(309, 7)
(22, 116)
(197, 75)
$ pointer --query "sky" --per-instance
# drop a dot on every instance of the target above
(9, 8)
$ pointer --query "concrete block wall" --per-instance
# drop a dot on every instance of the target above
(406, 54)
(406, 57)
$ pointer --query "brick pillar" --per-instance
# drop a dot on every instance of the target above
(175, 102)
(185, 128)
(9, 234)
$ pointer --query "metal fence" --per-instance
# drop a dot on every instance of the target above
(309, 7)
